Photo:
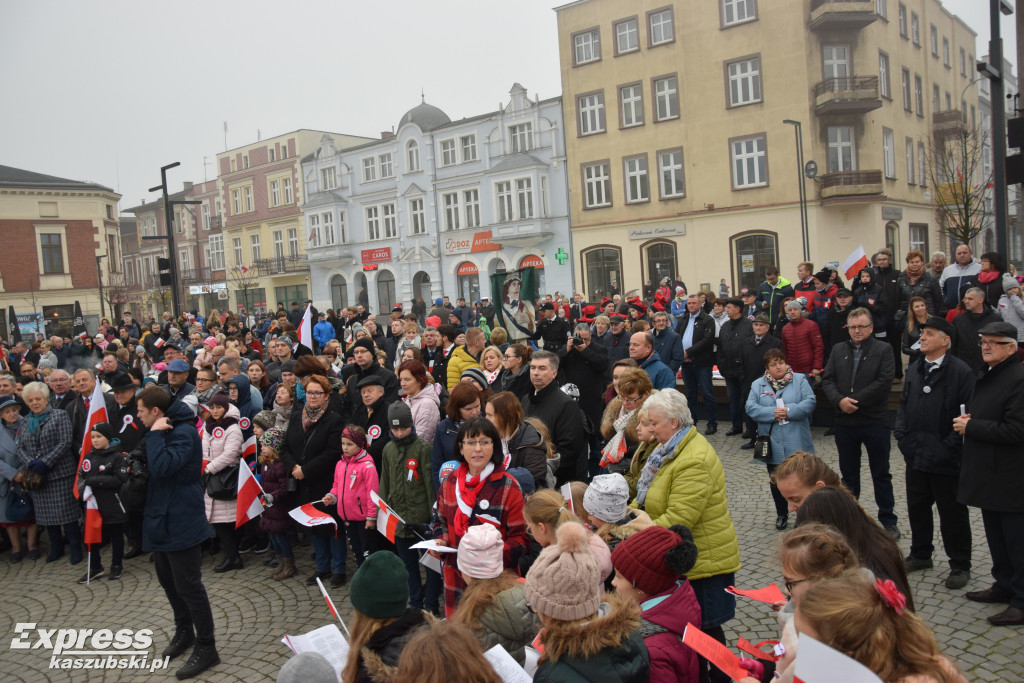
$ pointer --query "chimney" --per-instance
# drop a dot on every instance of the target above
(143, 200)
(188, 185)
(385, 134)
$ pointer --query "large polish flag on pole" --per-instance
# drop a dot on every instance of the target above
(249, 504)
(306, 328)
(97, 414)
(855, 262)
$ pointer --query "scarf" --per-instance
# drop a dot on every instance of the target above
(282, 412)
(987, 276)
(311, 415)
(35, 422)
(491, 376)
(653, 464)
(467, 489)
(615, 449)
(778, 384)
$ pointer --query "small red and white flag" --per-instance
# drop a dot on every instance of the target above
(160, 341)
(307, 515)
(243, 269)
(855, 262)
(387, 519)
(93, 519)
(97, 414)
(249, 504)
(818, 662)
(306, 328)
(249, 447)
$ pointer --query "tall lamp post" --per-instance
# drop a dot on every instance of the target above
(804, 229)
(99, 280)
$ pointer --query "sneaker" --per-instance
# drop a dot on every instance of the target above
(247, 545)
(93, 576)
(958, 578)
(261, 547)
(914, 564)
(202, 658)
(894, 532)
(115, 572)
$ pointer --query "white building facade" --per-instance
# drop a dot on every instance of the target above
(439, 206)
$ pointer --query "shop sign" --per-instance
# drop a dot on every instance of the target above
(659, 231)
(893, 213)
(532, 261)
(468, 268)
(467, 244)
(380, 255)
(208, 289)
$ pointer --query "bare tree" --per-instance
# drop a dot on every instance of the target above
(115, 291)
(957, 172)
(244, 279)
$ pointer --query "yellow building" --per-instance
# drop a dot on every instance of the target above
(680, 161)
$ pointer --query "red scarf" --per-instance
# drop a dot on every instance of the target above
(987, 276)
(467, 490)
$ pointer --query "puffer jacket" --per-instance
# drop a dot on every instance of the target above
(426, 411)
(785, 438)
(508, 622)
(222, 446)
(803, 346)
(607, 649)
(354, 479)
(527, 448)
(662, 626)
(411, 498)
(824, 299)
(274, 480)
(689, 489)
(460, 361)
(926, 287)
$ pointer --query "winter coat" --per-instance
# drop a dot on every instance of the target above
(174, 518)
(965, 341)
(636, 465)
(664, 618)
(993, 288)
(669, 347)
(689, 489)
(564, 421)
(870, 296)
(585, 367)
(247, 408)
(9, 463)
(607, 649)
(731, 338)
(835, 330)
(926, 287)
(870, 387)
(824, 299)
(924, 422)
(410, 498)
(611, 414)
(753, 358)
(678, 308)
(426, 411)
(374, 421)
(785, 438)
(702, 350)
(618, 346)
(803, 346)
(443, 448)
(223, 448)
(992, 468)
(770, 296)
(436, 363)
(508, 622)
(104, 471)
(912, 343)
(519, 383)
(661, 376)
(351, 400)
(130, 432)
(528, 449)
(323, 332)
(459, 361)
(1011, 308)
(355, 478)
(274, 480)
(378, 660)
(316, 451)
(53, 502)
(955, 280)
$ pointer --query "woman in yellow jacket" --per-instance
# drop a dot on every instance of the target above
(683, 482)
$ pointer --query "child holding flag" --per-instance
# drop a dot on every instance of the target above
(274, 520)
(354, 478)
(222, 448)
(104, 470)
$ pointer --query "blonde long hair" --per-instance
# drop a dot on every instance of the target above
(480, 595)
(363, 628)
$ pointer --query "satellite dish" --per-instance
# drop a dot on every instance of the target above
(811, 169)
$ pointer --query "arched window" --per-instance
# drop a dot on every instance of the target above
(339, 292)
(660, 261)
(421, 286)
(412, 156)
(468, 276)
(603, 266)
(386, 291)
(752, 253)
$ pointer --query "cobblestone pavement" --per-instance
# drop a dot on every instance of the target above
(252, 612)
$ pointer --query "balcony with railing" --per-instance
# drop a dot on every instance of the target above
(839, 15)
(195, 276)
(847, 95)
(280, 264)
(949, 122)
(847, 184)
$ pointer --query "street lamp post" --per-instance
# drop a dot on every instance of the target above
(801, 186)
(99, 280)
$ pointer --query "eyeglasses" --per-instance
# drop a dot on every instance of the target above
(481, 443)
(859, 327)
(629, 400)
(314, 394)
(983, 343)
(789, 584)
(203, 379)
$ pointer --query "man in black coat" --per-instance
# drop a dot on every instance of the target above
(992, 474)
(584, 364)
(888, 277)
(731, 339)
(61, 394)
(857, 380)
(560, 415)
(835, 321)
(697, 330)
(372, 415)
(85, 383)
(977, 313)
(752, 352)
(366, 364)
(616, 339)
(936, 385)
(552, 329)
(131, 433)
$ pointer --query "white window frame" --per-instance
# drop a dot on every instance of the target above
(901, 17)
(449, 152)
(412, 155)
(293, 242)
(908, 97)
(883, 76)
(586, 46)
(591, 113)
(524, 199)
(390, 218)
(249, 206)
(631, 105)
(278, 237)
(934, 40)
(735, 12)
(369, 169)
(452, 211)
(288, 198)
(748, 158)
(275, 192)
(236, 251)
(915, 29)
(342, 233)
(597, 185)
(520, 137)
(328, 178)
(236, 201)
(327, 223)
(471, 205)
(882, 8)
(372, 214)
(744, 78)
(919, 94)
(636, 179)
(417, 217)
(216, 257)
(467, 146)
(503, 206)
(671, 174)
(628, 31)
(386, 164)
(947, 59)
(314, 230)
(666, 97)
(842, 142)
(888, 153)
(660, 26)
(254, 247)
(205, 211)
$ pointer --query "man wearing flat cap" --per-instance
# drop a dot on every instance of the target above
(936, 385)
(992, 474)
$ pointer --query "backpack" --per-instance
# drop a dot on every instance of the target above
(133, 491)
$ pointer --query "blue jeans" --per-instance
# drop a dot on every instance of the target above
(734, 387)
(876, 441)
(698, 379)
(281, 545)
(330, 552)
(418, 597)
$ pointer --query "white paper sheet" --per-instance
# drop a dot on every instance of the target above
(326, 640)
(507, 669)
(431, 562)
(432, 545)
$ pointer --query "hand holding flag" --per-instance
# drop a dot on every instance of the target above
(249, 503)
(387, 519)
(307, 515)
(97, 412)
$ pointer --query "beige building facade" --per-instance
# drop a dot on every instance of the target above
(680, 161)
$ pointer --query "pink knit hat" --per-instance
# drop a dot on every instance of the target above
(480, 552)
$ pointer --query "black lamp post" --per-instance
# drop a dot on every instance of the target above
(804, 228)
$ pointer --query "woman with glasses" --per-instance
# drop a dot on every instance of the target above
(621, 418)
(521, 443)
(781, 402)
(479, 491)
(516, 377)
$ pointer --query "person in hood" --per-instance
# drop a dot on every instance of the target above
(103, 470)
(238, 392)
(222, 448)
(867, 293)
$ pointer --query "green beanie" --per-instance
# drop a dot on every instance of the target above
(380, 588)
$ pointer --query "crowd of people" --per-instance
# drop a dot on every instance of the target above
(567, 472)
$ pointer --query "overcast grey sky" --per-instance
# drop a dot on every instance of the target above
(110, 90)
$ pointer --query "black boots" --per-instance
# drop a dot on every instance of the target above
(203, 657)
(227, 565)
(182, 640)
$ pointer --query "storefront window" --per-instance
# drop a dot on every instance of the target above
(469, 281)
(751, 255)
(604, 270)
(538, 271)
(297, 293)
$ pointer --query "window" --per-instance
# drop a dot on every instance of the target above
(544, 196)
(842, 152)
(216, 258)
(586, 46)
(369, 169)
(503, 194)
(752, 253)
(659, 27)
(660, 260)
(945, 51)
(919, 237)
(915, 29)
(670, 173)
(524, 198)
(889, 153)
(835, 61)
(744, 78)
(288, 199)
(248, 198)
(882, 8)
(883, 75)
(949, 101)
(922, 165)
(412, 155)
(254, 245)
(637, 182)
(963, 63)
(666, 96)
(902, 14)
(271, 155)
(911, 161)
(293, 242)
(905, 84)
(327, 220)
(236, 248)
(627, 36)
(245, 161)
(597, 185)
(631, 105)
(275, 192)
(339, 292)
(50, 244)
(471, 203)
(390, 221)
(450, 201)
(314, 230)
(387, 167)
(603, 268)
(933, 40)
(328, 178)
(278, 244)
(372, 223)
(749, 162)
(737, 11)
(418, 218)
(591, 111)
(449, 156)
(936, 98)
(919, 95)
(236, 202)
(468, 147)
(521, 136)
(342, 236)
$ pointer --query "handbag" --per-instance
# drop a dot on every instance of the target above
(19, 504)
(222, 485)
(763, 445)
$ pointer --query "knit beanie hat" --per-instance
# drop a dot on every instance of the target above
(1009, 282)
(655, 558)
(477, 375)
(434, 321)
(480, 552)
(380, 588)
(399, 415)
(307, 667)
(607, 497)
(219, 399)
(364, 343)
(564, 582)
(273, 438)
(524, 478)
(265, 419)
(105, 429)
(288, 366)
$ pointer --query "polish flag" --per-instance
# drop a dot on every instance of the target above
(97, 414)
(855, 262)
(387, 519)
(249, 504)
(818, 662)
(93, 520)
(249, 447)
(160, 341)
(306, 328)
(307, 515)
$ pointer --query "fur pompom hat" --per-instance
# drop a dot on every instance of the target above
(564, 582)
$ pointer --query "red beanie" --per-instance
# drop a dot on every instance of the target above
(655, 558)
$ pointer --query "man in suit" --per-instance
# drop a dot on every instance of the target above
(61, 394)
(84, 381)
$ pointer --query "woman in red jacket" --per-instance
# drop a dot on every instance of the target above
(801, 342)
